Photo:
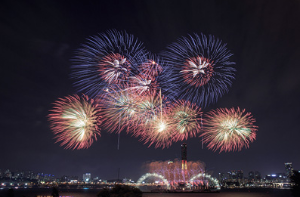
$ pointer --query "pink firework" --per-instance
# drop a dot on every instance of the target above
(142, 83)
(229, 129)
(75, 121)
(114, 68)
(150, 108)
(151, 68)
(186, 119)
(172, 170)
(159, 133)
(197, 71)
(119, 108)
(153, 124)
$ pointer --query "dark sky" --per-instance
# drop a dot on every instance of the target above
(38, 39)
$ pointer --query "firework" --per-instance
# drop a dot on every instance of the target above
(75, 121)
(142, 83)
(152, 121)
(158, 133)
(146, 79)
(119, 108)
(229, 129)
(200, 69)
(151, 67)
(106, 60)
(172, 171)
(186, 119)
(150, 108)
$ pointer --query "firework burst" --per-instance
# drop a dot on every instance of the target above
(151, 67)
(119, 108)
(106, 60)
(228, 129)
(200, 69)
(142, 84)
(150, 108)
(153, 123)
(75, 121)
(159, 133)
(185, 118)
(114, 68)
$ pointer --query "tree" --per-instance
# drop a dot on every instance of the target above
(55, 192)
(295, 179)
(120, 191)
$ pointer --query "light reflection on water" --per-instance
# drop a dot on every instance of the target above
(223, 193)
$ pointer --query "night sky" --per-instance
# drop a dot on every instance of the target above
(38, 39)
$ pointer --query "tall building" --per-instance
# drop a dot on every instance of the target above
(240, 174)
(288, 169)
(184, 160)
(86, 177)
(235, 175)
(254, 176)
(221, 176)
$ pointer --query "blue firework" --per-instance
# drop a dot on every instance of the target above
(105, 61)
(200, 69)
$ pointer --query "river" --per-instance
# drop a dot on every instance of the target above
(263, 192)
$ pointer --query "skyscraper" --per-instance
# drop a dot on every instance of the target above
(254, 175)
(288, 169)
(184, 160)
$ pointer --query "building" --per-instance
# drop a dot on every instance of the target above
(87, 177)
(276, 178)
(288, 169)
(221, 176)
(236, 175)
(240, 175)
(184, 160)
(254, 176)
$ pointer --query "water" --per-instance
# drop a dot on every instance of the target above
(93, 193)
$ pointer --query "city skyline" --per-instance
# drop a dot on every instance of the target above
(40, 39)
(88, 177)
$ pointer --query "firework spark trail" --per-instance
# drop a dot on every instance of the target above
(200, 67)
(75, 121)
(106, 60)
(186, 119)
(229, 129)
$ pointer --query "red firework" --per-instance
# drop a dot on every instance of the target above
(142, 83)
(229, 129)
(158, 133)
(153, 123)
(75, 121)
(119, 109)
(185, 118)
(151, 68)
(197, 71)
(114, 68)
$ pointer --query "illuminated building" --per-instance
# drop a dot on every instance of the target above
(86, 177)
(221, 176)
(240, 174)
(288, 169)
(184, 160)
(254, 176)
